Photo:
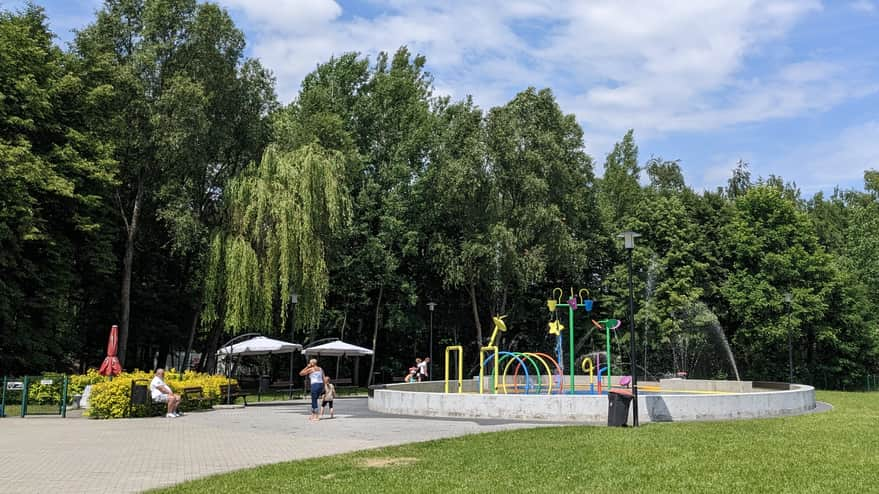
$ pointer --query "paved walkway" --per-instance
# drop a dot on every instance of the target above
(77, 455)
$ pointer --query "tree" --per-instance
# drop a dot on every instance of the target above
(773, 249)
(456, 205)
(55, 251)
(548, 227)
(740, 181)
(619, 189)
(279, 212)
(186, 112)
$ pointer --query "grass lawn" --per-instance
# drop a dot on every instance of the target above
(836, 451)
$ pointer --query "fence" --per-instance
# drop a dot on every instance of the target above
(34, 395)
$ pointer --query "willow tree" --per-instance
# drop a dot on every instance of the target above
(280, 212)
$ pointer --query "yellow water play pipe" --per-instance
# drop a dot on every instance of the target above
(590, 370)
(460, 350)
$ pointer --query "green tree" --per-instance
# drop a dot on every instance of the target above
(55, 251)
(456, 202)
(774, 250)
(186, 112)
(619, 188)
(548, 226)
(279, 213)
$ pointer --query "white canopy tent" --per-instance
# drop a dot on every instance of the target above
(260, 345)
(336, 348)
(340, 349)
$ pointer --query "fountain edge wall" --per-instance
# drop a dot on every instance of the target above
(667, 407)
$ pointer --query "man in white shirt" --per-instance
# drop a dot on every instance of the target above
(422, 368)
(162, 393)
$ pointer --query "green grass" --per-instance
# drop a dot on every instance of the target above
(836, 451)
(15, 410)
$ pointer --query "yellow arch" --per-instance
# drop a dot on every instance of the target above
(527, 355)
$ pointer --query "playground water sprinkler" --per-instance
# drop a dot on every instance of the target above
(499, 325)
(542, 373)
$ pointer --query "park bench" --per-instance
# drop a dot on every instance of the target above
(342, 381)
(228, 394)
(193, 397)
(140, 396)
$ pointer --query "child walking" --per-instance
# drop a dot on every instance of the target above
(328, 397)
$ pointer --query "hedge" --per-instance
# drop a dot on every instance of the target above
(111, 399)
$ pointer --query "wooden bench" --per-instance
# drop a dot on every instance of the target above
(193, 396)
(342, 381)
(228, 394)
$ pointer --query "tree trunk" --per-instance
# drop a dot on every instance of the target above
(378, 316)
(196, 311)
(472, 290)
(128, 260)
(209, 355)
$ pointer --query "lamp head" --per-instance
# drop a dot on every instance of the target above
(629, 237)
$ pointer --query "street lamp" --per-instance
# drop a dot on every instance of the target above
(431, 306)
(629, 244)
(788, 298)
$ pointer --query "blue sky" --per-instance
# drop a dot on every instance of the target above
(791, 86)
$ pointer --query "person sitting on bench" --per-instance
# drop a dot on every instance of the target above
(162, 393)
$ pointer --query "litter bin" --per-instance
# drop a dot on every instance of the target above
(264, 382)
(618, 401)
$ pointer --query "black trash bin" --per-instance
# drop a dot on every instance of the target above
(264, 382)
(618, 401)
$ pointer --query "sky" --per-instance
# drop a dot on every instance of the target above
(790, 86)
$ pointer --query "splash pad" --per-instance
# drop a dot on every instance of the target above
(533, 385)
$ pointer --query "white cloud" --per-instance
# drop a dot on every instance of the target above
(287, 16)
(658, 67)
(843, 158)
(863, 6)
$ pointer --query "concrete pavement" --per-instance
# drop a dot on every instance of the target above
(78, 455)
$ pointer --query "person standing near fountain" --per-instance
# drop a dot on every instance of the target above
(422, 368)
(316, 379)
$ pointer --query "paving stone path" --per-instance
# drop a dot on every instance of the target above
(79, 455)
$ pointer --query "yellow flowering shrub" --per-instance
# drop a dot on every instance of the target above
(78, 382)
(111, 399)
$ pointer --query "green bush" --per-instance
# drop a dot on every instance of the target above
(111, 399)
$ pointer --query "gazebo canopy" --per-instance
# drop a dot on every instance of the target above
(259, 345)
(337, 349)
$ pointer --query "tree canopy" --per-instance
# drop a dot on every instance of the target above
(150, 179)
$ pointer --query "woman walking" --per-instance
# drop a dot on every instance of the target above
(316, 378)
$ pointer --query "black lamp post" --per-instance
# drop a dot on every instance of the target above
(431, 306)
(629, 244)
(790, 347)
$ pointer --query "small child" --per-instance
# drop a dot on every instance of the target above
(411, 377)
(328, 397)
